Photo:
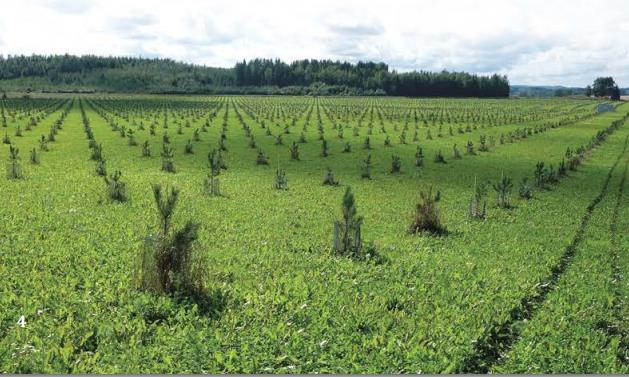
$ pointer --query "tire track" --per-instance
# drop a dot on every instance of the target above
(490, 348)
(618, 329)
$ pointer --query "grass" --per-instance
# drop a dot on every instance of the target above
(284, 302)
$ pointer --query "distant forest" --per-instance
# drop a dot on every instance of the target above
(259, 76)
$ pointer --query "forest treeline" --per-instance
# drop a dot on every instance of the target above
(257, 76)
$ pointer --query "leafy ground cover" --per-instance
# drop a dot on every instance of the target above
(473, 299)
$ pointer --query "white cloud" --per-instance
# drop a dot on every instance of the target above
(534, 42)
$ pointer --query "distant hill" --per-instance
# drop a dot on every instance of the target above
(259, 76)
(544, 91)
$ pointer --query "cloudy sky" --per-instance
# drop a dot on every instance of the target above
(533, 42)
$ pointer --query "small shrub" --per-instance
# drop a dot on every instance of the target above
(426, 217)
(101, 168)
(525, 191)
(324, 148)
(212, 184)
(387, 141)
(347, 240)
(116, 189)
(188, 149)
(347, 148)
(294, 151)
(168, 263)
(167, 158)
(131, 139)
(419, 157)
(396, 164)
(146, 149)
(478, 202)
(34, 157)
(14, 168)
(469, 148)
(261, 159)
(43, 144)
(281, 182)
(97, 152)
(552, 175)
(367, 143)
(562, 170)
(365, 172)
(6, 139)
(574, 162)
(540, 175)
(503, 190)
(483, 144)
(455, 153)
(439, 158)
(328, 178)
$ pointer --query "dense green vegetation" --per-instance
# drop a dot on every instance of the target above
(347, 234)
(258, 76)
(604, 87)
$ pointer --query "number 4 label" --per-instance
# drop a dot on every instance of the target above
(21, 322)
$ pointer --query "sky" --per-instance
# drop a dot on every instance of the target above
(550, 42)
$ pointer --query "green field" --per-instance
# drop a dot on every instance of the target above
(537, 287)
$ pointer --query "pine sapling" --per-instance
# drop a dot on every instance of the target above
(347, 148)
(328, 178)
(365, 172)
(455, 153)
(503, 190)
(396, 164)
(478, 202)
(169, 264)
(116, 189)
(261, 158)
(525, 191)
(419, 157)
(540, 175)
(347, 238)
(439, 158)
(101, 168)
(294, 151)
(324, 148)
(281, 182)
(188, 149)
(211, 184)
(483, 144)
(146, 149)
(469, 148)
(43, 144)
(34, 157)
(387, 141)
(367, 143)
(426, 217)
(14, 169)
(167, 158)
